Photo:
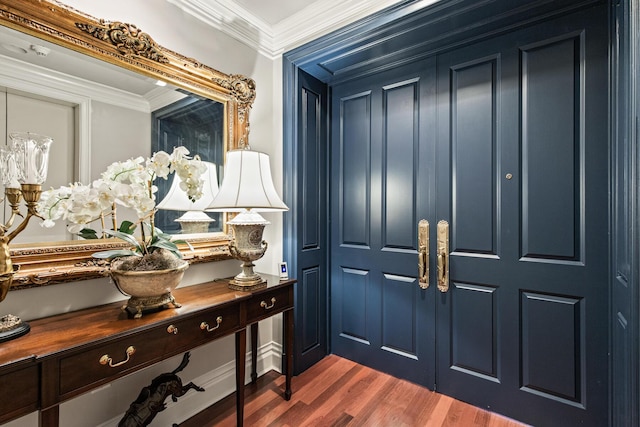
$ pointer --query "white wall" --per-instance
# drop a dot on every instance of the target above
(211, 366)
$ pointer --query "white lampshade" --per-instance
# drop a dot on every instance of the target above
(247, 184)
(177, 199)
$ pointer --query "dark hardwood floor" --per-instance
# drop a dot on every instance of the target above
(339, 392)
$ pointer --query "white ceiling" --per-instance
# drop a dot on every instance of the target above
(275, 26)
(274, 11)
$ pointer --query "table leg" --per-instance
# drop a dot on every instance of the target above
(254, 352)
(288, 351)
(50, 417)
(241, 353)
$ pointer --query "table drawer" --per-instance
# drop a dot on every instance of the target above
(265, 304)
(105, 363)
(19, 392)
(201, 328)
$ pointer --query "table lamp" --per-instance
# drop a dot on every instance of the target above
(247, 188)
(194, 219)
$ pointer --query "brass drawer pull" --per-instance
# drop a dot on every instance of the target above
(104, 360)
(205, 326)
(267, 307)
(172, 329)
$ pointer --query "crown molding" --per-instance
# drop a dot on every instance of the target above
(233, 20)
(272, 40)
(321, 18)
(33, 78)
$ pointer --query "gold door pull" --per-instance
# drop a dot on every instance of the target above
(443, 256)
(423, 253)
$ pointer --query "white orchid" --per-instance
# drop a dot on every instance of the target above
(130, 184)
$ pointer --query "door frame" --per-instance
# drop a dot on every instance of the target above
(624, 242)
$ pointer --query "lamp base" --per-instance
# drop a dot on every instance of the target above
(246, 287)
(192, 227)
(247, 246)
(194, 222)
(247, 280)
(12, 327)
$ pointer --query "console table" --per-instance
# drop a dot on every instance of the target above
(69, 354)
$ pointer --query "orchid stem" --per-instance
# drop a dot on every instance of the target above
(114, 219)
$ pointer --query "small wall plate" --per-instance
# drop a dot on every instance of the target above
(284, 271)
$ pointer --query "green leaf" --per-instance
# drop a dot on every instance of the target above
(170, 246)
(88, 233)
(114, 254)
(127, 238)
(127, 227)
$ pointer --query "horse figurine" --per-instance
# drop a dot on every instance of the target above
(151, 399)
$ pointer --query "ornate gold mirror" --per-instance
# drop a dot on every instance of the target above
(125, 46)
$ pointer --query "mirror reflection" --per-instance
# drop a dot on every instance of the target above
(97, 114)
(197, 124)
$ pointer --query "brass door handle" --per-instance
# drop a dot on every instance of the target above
(423, 253)
(106, 359)
(443, 256)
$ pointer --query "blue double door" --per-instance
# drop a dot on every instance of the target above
(506, 140)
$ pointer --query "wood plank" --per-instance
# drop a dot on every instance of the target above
(337, 392)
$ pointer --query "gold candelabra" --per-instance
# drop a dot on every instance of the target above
(23, 166)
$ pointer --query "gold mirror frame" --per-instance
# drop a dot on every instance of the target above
(126, 46)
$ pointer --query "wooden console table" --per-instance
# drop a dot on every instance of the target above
(69, 354)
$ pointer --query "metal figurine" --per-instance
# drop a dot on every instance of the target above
(151, 399)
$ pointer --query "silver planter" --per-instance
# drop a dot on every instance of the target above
(149, 290)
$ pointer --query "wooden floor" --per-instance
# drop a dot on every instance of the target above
(339, 392)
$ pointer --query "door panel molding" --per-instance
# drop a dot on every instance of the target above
(553, 328)
(352, 321)
(355, 169)
(474, 119)
(400, 163)
(399, 311)
(474, 332)
(553, 145)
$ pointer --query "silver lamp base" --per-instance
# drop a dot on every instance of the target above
(193, 227)
(247, 283)
(247, 246)
(194, 222)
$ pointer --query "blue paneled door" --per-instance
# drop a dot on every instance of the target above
(381, 179)
(507, 141)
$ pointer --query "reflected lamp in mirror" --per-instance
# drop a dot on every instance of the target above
(194, 220)
(247, 188)
(23, 167)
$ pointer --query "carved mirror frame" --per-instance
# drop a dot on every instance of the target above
(126, 46)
